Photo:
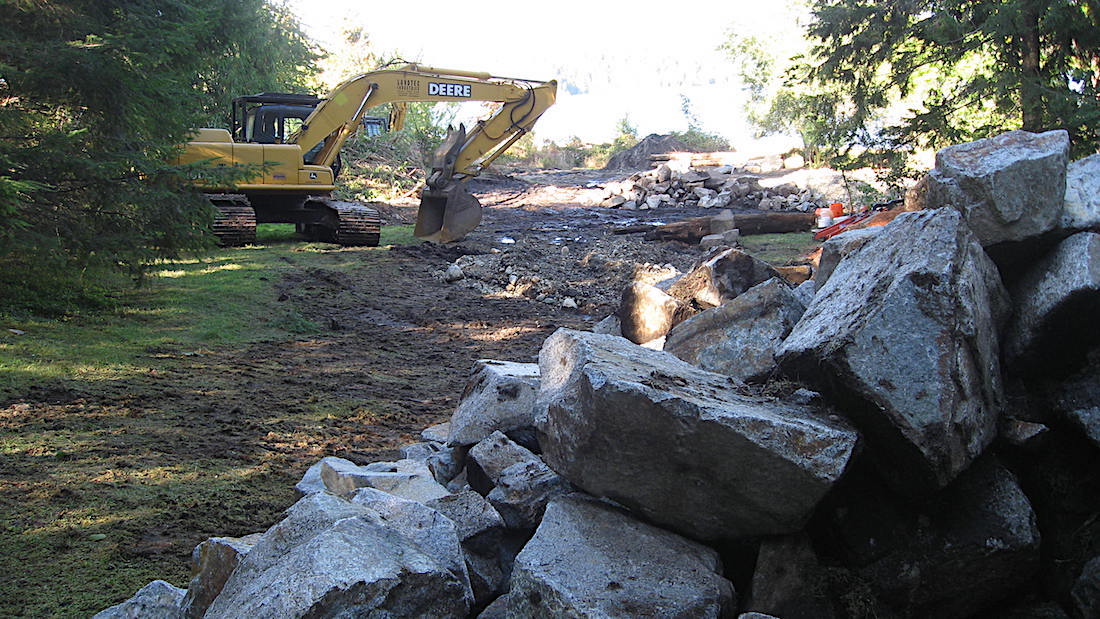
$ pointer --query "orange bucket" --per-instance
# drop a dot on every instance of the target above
(836, 209)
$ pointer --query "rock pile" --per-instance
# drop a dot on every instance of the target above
(706, 187)
(909, 437)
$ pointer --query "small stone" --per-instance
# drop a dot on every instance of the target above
(454, 273)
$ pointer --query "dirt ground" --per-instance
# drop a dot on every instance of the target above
(211, 443)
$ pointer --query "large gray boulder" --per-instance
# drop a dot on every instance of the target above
(683, 447)
(333, 558)
(156, 600)
(739, 338)
(429, 530)
(589, 559)
(1082, 206)
(904, 336)
(212, 562)
(950, 556)
(1057, 305)
(1009, 188)
(500, 395)
(719, 278)
(835, 249)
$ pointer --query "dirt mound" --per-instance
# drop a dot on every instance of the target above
(637, 157)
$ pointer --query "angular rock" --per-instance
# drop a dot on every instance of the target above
(486, 576)
(973, 544)
(1057, 305)
(518, 483)
(720, 278)
(646, 313)
(437, 433)
(806, 291)
(712, 240)
(608, 326)
(332, 558)
(1082, 206)
(904, 336)
(789, 581)
(1022, 434)
(311, 481)
(1009, 188)
(212, 562)
(739, 338)
(681, 446)
(1077, 399)
(588, 559)
(156, 600)
(495, 454)
(431, 531)
(478, 524)
(1086, 592)
(444, 461)
(500, 395)
(835, 249)
(410, 479)
(522, 492)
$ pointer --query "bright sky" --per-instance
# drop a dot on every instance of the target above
(636, 58)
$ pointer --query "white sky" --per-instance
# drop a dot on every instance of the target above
(539, 40)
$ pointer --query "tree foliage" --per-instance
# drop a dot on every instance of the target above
(978, 67)
(95, 97)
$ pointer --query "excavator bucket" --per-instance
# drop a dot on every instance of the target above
(447, 211)
(447, 214)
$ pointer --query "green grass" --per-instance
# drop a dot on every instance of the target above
(780, 249)
(222, 299)
(93, 486)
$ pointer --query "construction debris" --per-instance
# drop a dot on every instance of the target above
(707, 187)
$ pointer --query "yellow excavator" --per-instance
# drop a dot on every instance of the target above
(295, 139)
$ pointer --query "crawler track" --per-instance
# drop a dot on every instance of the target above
(357, 224)
(235, 221)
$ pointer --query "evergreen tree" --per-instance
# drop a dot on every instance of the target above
(95, 98)
(981, 67)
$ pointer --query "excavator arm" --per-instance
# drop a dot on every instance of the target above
(447, 210)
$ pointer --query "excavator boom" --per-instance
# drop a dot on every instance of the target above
(447, 211)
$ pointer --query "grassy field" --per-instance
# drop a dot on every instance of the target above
(92, 494)
(780, 249)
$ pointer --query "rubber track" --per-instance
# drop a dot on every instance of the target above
(235, 222)
(359, 225)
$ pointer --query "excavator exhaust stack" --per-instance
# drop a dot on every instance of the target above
(448, 212)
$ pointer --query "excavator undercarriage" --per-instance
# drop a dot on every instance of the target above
(318, 218)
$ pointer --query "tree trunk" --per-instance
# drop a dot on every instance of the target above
(1031, 96)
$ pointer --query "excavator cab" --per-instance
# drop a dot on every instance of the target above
(448, 212)
(270, 117)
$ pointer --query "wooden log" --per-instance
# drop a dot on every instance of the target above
(691, 231)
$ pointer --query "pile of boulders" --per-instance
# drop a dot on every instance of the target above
(914, 433)
(706, 187)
